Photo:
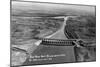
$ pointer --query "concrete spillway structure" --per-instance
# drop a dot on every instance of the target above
(64, 33)
(58, 34)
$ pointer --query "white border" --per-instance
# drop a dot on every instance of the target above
(5, 33)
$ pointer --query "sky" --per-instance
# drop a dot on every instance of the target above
(22, 8)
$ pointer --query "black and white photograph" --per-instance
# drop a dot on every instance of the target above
(52, 33)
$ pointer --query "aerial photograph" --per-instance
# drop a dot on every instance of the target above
(52, 33)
